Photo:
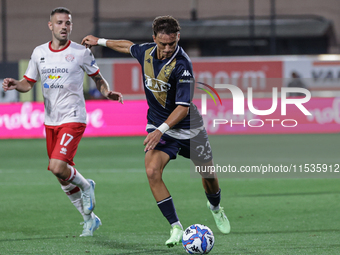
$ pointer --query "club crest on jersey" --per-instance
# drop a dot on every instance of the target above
(156, 85)
(167, 70)
(69, 58)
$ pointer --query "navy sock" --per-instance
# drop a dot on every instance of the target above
(214, 199)
(168, 209)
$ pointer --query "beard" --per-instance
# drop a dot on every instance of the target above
(61, 38)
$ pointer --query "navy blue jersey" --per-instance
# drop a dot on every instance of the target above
(167, 84)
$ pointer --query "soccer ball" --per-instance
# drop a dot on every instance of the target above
(198, 239)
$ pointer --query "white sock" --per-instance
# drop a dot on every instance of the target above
(77, 179)
(178, 223)
(74, 194)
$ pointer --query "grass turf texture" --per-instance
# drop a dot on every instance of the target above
(268, 216)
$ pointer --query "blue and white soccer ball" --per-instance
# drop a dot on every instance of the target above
(198, 239)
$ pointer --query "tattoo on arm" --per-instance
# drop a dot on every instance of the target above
(101, 84)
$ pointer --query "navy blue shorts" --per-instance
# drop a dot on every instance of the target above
(197, 148)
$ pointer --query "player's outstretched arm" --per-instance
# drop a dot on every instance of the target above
(21, 86)
(122, 46)
(103, 87)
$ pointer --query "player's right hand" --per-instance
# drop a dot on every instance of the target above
(9, 84)
(152, 139)
(89, 41)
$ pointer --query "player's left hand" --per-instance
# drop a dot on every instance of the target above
(115, 96)
(152, 140)
(89, 41)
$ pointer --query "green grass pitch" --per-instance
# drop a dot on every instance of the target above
(267, 215)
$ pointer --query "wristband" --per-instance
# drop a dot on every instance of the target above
(163, 128)
(102, 42)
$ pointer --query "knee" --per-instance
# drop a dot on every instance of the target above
(153, 173)
(58, 169)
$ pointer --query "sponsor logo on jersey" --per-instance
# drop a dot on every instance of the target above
(93, 62)
(54, 77)
(53, 86)
(185, 81)
(156, 85)
(57, 86)
(186, 73)
(42, 60)
(69, 58)
(54, 70)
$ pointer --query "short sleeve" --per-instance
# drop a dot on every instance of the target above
(135, 51)
(138, 50)
(185, 85)
(32, 71)
(89, 63)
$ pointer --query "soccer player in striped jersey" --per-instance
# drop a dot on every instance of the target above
(60, 64)
(174, 123)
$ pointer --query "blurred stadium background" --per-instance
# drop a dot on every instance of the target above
(248, 43)
(258, 44)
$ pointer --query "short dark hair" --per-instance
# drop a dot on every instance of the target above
(166, 25)
(60, 10)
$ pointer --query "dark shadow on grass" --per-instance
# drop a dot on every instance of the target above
(136, 248)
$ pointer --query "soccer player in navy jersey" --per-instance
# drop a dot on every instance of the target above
(174, 123)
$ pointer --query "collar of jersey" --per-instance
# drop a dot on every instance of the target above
(50, 43)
